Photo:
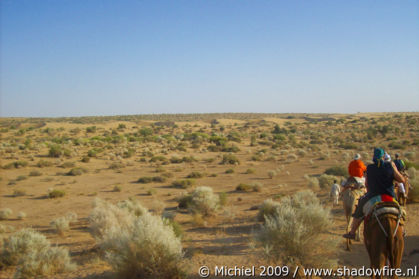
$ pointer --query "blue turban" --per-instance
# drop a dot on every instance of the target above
(378, 155)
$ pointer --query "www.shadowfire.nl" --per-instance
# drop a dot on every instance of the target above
(363, 271)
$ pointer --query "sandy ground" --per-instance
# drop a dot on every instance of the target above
(226, 239)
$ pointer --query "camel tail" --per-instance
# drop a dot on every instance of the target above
(391, 242)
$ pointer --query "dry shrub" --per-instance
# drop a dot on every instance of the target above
(107, 217)
(337, 170)
(204, 201)
(195, 174)
(33, 255)
(312, 182)
(230, 159)
(292, 157)
(62, 224)
(272, 173)
(267, 208)
(326, 180)
(21, 215)
(294, 232)
(43, 163)
(198, 220)
(414, 182)
(5, 229)
(183, 183)
(76, 171)
(5, 213)
(157, 207)
(35, 173)
(19, 192)
(54, 193)
(250, 171)
(253, 187)
(137, 244)
(149, 250)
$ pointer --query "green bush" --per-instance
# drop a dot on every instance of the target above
(35, 173)
(230, 159)
(145, 179)
(92, 153)
(55, 151)
(128, 153)
(160, 179)
(53, 193)
(195, 174)
(21, 177)
(116, 165)
(77, 171)
(159, 159)
(91, 129)
(85, 159)
(184, 201)
(15, 165)
(149, 179)
(250, 171)
(254, 187)
(43, 163)
(68, 165)
(183, 183)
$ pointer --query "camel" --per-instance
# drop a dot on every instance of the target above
(384, 244)
(350, 197)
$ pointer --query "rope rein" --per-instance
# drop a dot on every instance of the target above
(381, 226)
(379, 223)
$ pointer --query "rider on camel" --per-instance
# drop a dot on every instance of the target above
(356, 170)
(379, 180)
(401, 166)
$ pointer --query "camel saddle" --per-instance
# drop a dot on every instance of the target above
(383, 205)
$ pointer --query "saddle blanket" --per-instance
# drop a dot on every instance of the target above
(371, 203)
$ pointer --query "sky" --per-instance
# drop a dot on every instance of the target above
(106, 57)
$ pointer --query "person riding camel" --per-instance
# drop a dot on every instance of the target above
(379, 181)
(401, 166)
(356, 171)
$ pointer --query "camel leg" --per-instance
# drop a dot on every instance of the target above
(377, 262)
(348, 241)
(396, 249)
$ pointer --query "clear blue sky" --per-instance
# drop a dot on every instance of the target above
(107, 57)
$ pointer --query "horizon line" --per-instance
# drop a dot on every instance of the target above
(207, 113)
